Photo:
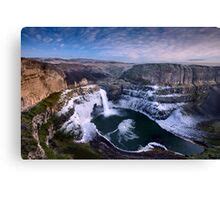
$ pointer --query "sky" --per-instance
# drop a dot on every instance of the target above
(135, 44)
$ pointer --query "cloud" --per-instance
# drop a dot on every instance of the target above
(129, 44)
(59, 39)
(38, 36)
(62, 45)
(47, 39)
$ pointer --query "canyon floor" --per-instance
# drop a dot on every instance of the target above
(91, 109)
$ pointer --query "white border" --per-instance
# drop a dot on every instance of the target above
(37, 180)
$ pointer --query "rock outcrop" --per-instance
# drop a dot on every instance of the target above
(172, 74)
(174, 83)
(61, 115)
(178, 97)
(37, 122)
(38, 81)
(41, 77)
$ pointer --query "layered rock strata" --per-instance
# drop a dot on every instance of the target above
(38, 81)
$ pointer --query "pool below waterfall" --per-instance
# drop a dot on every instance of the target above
(132, 131)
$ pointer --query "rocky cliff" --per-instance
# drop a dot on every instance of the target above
(49, 127)
(92, 70)
(42, 77)
(38, 81)
(172, 74)
(174, 83)
(60, 127)
(178, 97)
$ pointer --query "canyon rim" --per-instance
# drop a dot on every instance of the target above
(120, 93)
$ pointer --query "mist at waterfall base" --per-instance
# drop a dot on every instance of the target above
(132, 131)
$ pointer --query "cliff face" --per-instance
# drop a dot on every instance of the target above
(42, 77)
(38, 81)
(92, 70)
(48, 129)
(178, 97)
(177, 83)
(172, 74)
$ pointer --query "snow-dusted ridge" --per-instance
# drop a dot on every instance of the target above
(183, 126)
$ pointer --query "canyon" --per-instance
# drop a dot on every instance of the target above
(60, 97)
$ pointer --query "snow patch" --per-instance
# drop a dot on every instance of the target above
(182, 125)
(80, 120)
(150, 146)
(89, 132)
(153, 110)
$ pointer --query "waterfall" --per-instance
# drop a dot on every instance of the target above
(105, 102)
(107, 111)
(83, 106)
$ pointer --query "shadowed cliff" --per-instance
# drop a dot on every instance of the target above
(172, 74)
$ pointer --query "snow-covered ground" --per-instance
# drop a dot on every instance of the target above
(80, 120)
(182, 125)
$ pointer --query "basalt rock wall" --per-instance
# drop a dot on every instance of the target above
(172, 74)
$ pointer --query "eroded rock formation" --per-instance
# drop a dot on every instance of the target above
(38, 81)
